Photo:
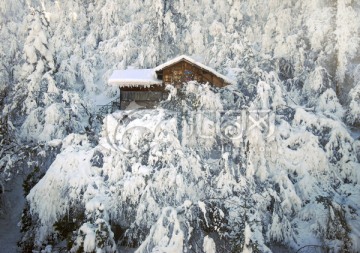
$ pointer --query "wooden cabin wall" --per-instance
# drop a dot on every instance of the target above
(184, 71)
(146, 97)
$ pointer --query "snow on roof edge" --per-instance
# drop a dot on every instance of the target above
(134, 83)
(185, 57)
(134, 78)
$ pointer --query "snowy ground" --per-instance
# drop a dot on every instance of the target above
(9, 230)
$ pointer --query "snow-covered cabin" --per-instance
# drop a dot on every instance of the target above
(147, 86)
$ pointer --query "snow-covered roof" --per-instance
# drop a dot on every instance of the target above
(200, 65)
(134, 77)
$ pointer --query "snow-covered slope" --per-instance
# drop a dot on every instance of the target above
(296, 66)
(206, 179)
(55, 51)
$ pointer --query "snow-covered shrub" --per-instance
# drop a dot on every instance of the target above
(95, 235)
(329, 104)
(317, 82)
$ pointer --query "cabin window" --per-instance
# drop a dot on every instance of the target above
(188, 75)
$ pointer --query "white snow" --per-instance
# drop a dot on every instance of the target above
(103, 99)
(89, 241)
(209, 245)
(202, 207)
(134, 78)
(268, 184)
(166, 233)
(68, 168)
(133, 106)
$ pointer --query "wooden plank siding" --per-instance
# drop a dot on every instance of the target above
(184, 71)
(147, 96)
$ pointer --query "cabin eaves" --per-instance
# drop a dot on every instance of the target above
(134, 78)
